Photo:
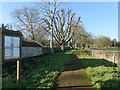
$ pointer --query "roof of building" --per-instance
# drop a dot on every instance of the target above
(30, 44)
(11, 32)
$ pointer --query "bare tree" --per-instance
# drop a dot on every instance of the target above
(78, 32)
(57, 22)
(49, 10)
(81, 38)
(28, 22)
(60, 23)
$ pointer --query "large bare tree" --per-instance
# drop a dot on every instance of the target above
(60, 23)
(48, 10)
(28, 22)
(80, 38)
(50, 18)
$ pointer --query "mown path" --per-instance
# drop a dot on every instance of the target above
(73, 75)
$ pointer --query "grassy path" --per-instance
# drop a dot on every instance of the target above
(73, 75)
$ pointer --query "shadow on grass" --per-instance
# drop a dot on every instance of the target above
(75, 63)
(75, 87)
(91, 62)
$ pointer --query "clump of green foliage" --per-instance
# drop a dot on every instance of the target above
(101, 72)
(36, 72)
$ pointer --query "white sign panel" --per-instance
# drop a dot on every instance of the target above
(7, 41)
(12, 47)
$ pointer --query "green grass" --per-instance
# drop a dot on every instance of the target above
(100, 71)
(37, 72)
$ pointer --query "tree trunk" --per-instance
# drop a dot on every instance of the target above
(76, 46)
(69, 44)
(62, 47)
(51, 43)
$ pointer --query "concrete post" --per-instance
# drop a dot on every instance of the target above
(113, 58)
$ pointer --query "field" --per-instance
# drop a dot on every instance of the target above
(100, 71)
(36, 72)
(111, 49)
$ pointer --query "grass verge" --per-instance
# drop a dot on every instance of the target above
(100, 71)
(35, 73)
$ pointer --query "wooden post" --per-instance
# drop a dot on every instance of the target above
(18, 70)
(19, 62)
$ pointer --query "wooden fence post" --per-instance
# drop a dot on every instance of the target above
(18, 70)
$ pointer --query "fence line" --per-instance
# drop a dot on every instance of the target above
(28, 52)
(113, 57)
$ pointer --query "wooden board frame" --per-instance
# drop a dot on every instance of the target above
(6, 32)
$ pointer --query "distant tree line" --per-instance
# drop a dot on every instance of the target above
(103, 41)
